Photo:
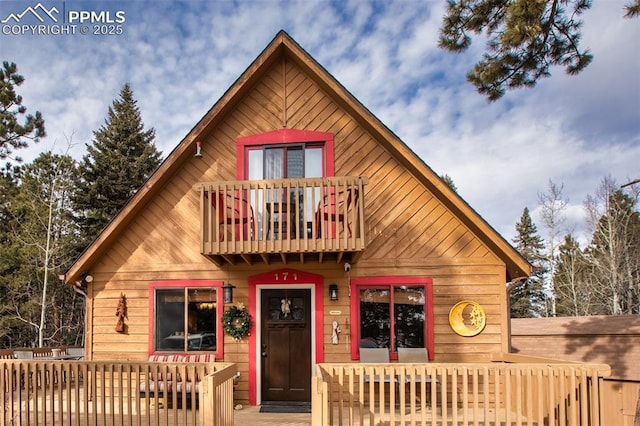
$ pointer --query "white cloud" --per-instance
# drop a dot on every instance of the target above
(180, 57)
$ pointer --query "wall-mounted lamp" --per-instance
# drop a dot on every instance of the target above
(227, 293)
(85, 279)
(333, 292)
(80, 286)
(198, 149)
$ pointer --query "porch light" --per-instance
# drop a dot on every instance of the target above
(333, 292)
(198, 150)
(227, 292)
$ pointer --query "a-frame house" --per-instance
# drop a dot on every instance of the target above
(334, 234)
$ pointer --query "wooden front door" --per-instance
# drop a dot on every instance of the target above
(285, 345)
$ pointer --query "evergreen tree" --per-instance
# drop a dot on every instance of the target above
(39, 307)
(14, 135)
(10, 260)
(120, 159)
(527, 299)
(572, 293)
(449, 181)
(524, 39)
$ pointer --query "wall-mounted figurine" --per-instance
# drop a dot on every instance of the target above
(121, 313)
(336, 333)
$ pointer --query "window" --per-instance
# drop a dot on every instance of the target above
(285, 161)
(284, 154)
(185, 316)
(391, 312)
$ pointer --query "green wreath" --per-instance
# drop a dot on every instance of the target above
(236, 322)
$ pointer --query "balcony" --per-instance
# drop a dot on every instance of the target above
(270, 221)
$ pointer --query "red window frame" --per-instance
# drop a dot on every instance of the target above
(281, 137)
(357, 284)
(181, 284)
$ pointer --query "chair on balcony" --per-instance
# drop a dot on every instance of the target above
(332, 209)
(377, 356)
(23, 353)
(234, 210)
(415, 356)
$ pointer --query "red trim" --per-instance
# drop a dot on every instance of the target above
(284, 136)
(283, 277)
(387, 281)
(182, 284)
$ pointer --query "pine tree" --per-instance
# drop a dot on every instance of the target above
(14, 135)
(524, 39)
(449, 181)
(527, 300)
(38, 306)
(120, 159)
(10, 260)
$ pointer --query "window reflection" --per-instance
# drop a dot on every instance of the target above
(375, 320)
(409, 317)
(185, 319)
(392, 317)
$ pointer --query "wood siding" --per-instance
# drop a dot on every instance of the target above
(609, 340)
(409, 231)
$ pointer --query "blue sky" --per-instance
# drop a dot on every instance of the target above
(180, 57)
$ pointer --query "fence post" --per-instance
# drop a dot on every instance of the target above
(207, 401)
(316, 402)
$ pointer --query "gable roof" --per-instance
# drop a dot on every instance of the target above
(284, 46)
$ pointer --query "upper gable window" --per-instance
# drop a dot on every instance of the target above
(285, 161)
(285, 153)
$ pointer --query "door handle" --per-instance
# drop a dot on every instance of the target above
(264, 350)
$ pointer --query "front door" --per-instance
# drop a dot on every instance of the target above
(285, 345)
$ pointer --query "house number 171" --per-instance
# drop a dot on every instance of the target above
(286, 276)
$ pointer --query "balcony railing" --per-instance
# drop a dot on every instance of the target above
(280, 220)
